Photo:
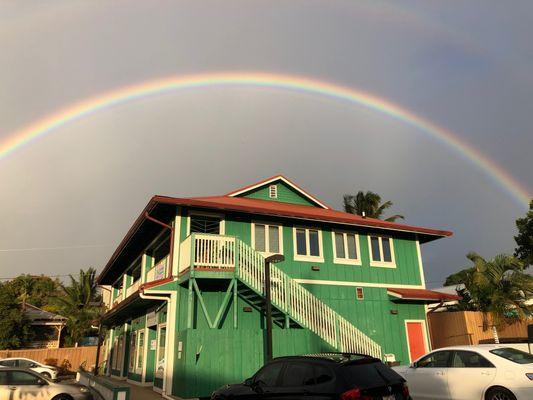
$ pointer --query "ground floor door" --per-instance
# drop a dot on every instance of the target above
(417, 342)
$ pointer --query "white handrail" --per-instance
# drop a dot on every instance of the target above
(305, 308)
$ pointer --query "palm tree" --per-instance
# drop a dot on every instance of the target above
(498, 287)
(80, 304)
(368, 204)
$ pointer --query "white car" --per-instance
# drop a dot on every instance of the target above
(45, 370)
(493, 372)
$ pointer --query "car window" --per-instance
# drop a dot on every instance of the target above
(25, 363)
(298, 374)
(322, 374)
(514, 355)
(470, 359)
(368, 374)
(269, 374)
(23, 378)
(8, 363)
(3, 378)
(440, 359)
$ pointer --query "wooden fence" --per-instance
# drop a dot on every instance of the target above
(76, 356)
(466, 327)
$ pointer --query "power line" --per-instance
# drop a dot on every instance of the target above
(81, 246)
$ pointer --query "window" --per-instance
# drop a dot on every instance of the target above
(440, 359)
(308, 244)
(160, 368)
(115, 354)
(133, 351)
(205, 224)
(273, 191)
(21, 363)
(3, 378)
(381, 251)
(322, 374)
(267, 238)
(470, 359)
(140, 349)
(345, 248)
(268, 375)
(24, 378)
(298, 374)
(514, 355)
(359, 294)
(9, 363)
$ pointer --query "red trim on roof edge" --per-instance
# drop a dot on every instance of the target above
(273, 178)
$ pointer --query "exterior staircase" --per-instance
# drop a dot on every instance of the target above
(293, 303)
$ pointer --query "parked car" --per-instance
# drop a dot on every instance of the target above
(320, 377)
(471, 373)
(21, 383)
(45, 370)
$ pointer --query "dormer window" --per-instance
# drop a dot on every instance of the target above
(273, 191)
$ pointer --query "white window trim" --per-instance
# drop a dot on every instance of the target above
(206, 214)
(157, 374)
(273, 191)
(267, 237)
(381, 264)
(299, 257)
(350, 261)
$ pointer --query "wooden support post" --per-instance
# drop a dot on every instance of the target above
(235, 303)
(189, 305)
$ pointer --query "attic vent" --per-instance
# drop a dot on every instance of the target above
(273, 191)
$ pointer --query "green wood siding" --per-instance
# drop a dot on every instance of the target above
(286, 194)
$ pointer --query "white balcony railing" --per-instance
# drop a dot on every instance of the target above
(201, 250)
(133, 288)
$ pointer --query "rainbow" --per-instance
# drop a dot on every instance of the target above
(52, 122)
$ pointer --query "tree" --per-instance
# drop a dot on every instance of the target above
(80, 304)
(524, 239)
(368, 203)
(458, 277)
(36, 290)
(15, 328)
(499, 287)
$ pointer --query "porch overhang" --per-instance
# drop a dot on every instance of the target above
(134, 305)
(420, 295)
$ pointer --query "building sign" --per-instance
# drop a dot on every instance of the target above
(153, 344)
(160, 270)
(151, 319)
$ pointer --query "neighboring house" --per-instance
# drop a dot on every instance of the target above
(187, 287)
(46, 327)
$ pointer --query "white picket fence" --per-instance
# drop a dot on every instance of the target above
(225, 252)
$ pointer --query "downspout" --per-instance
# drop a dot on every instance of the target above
(171, 253)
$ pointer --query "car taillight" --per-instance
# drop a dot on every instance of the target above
(405, 391)
(530, 376)
(354, 394)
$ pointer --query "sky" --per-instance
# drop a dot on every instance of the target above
(68, 198)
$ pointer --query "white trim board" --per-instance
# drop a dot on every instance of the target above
(355, 284)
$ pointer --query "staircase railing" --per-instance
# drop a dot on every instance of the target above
(301, 305)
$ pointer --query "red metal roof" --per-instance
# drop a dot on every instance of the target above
(422, 294)
(276, 208)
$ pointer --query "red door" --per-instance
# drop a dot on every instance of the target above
(416, 339)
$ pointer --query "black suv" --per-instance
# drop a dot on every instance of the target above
(320, 377)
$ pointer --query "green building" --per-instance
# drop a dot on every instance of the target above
(187, 287)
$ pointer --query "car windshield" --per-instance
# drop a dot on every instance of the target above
(514, 355)
(370, 375)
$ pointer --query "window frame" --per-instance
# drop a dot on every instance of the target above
(267, 226)
(158, 374)
(140, 350)
(346, 260)
(133, 352)
(433, 353)
(380, 263)
(307, 257)
(222, 217)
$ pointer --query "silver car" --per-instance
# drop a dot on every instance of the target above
(20, 383)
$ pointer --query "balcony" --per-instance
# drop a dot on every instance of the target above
(158, 271)
(205, 252)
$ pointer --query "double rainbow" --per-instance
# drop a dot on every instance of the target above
(87, 107)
